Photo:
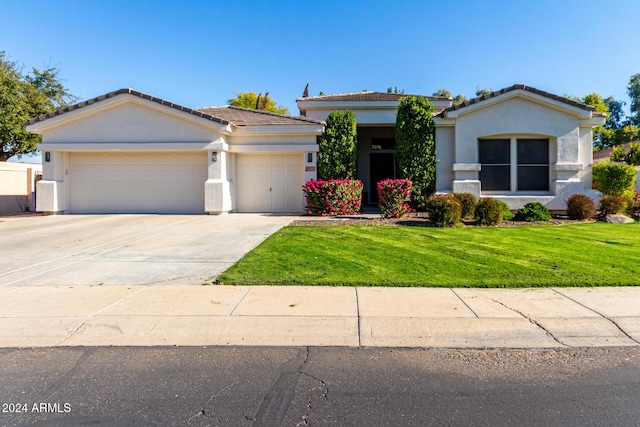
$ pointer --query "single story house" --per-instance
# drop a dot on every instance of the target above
(518, 144)
(130, 152)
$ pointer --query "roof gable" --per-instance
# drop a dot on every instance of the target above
(541, 95)
(220, 116)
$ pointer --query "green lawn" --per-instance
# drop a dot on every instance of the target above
(595, 254)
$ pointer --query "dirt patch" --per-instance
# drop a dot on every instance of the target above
(420, 221)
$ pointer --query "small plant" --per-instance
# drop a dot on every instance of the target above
(393, 195)
(612, 205)
(333, 197)
(580, 206)
(468, 203)
(489, 211)
(613, 178)
(532, 212)
(444, 210)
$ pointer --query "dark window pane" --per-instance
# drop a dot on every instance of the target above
(533, 178)
(383, 143)
(494, 151)
(533, 151)
(495, 178)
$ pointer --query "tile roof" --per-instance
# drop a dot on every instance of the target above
(366, 96)
(519, 87)
(247, 117)
(224, 115)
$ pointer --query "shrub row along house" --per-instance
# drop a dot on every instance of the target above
(128, 152)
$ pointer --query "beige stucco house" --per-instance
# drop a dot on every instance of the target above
(134, 153)
(129, 152)
(518, 144)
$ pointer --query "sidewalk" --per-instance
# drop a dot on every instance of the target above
(43, 316)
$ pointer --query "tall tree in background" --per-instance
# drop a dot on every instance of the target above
(23, 97)
(254, 101)
(458, 99)
(633, 90)
(416, 148)
(480, 92)
(338, 143)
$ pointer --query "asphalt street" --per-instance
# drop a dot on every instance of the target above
(296, 386)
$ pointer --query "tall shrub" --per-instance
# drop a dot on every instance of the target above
(615, 179)
(416, 148)
(394, 195)
(337, 158)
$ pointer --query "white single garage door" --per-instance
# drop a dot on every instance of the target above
(137, 182)
(270, 183)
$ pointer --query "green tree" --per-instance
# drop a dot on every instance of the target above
(616, 114)
(395, 90)
(633, 90)
(480, 92)
(256, 101)
(23, 97)
(458, 99)
(338, 143)
(415, 147)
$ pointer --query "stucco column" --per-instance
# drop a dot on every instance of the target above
(466, 178)
(217, 188)
(51, 190)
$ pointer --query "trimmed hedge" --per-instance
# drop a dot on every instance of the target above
(393, 196)
(444, 210)
(333, 197)
(490, 211)
(580, 206)
(468, 203)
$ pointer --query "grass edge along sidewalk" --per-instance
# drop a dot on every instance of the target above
(593, 254)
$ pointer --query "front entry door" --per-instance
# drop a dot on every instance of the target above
(381, 167)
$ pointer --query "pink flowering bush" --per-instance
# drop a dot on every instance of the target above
(333, 197)
(393, 196)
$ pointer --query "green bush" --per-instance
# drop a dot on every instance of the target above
(580, 207)
(532, 212)
(610, 204)
(444, 210)
(614, 179)
(394, 196)
(489, 211)
(468, 203)
(506, 211)
(631, 158)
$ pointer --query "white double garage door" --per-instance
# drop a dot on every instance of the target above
(174, 182)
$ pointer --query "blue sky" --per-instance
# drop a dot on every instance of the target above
(199, 53)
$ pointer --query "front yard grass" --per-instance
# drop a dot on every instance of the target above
(594, 254)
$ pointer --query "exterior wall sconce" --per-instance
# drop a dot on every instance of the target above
(214, 156)
(47, 157)
(309, 157)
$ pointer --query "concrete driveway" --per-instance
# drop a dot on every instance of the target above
(86, 250)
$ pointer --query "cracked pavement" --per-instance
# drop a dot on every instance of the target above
(299, 386)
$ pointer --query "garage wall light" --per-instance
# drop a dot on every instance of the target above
(47, 157)
(309, 157)
(214, 156)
